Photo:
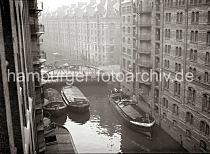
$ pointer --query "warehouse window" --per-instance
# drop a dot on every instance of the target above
(204, 128)
(208, 38)
(177, 88)
(189, 118)
(208, 17)
(175, 109)
(206, 77)
(207, 58)
(206, 103)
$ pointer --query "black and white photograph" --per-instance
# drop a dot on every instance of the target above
(104, 76)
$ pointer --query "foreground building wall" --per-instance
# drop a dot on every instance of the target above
(180, 36)
(18, 97)
(185, 108)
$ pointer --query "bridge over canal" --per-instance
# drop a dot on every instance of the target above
(77, 73)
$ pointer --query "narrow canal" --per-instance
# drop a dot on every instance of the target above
(102, 130)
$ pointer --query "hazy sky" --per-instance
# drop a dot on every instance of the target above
(50, 5)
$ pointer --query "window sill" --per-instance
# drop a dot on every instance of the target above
(194, 42)
(190, 103)
(206, 111)
(206, 64)
(193, 61)
(179, 40)
(194, 23)
(177, 95)
(176, 71)
(166, 89)
(177, 56)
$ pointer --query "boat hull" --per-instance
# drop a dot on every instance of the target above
(54, 112)
(75, 108)
(126, 120)
(80, 109)
(53, 103)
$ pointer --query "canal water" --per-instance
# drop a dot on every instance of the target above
(102, 130)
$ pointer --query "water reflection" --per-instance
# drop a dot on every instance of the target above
(93, 138)
(79, 118)
(61, 119)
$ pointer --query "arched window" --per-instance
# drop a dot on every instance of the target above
(169, 33)
(191, 2)
(171, 3)
(128, 19)
(191, 96)
(192, 36)
(169, 17)
(129, 29)
(177, 34)
(195, 55)
(175, 109)
(189, 118)
(183, 2)
(196, 36)
(165, 102)
(190, 69)
(206, 103)
(166, 32)
(180, 37)
(204, 128)
(180, 51)
(193, 17)
(181, 17)
(194, 95)
(197, 17)
(166, 48)
(177, 17)
(207, 58)
(194, 73)
(123, 39)
(174, 123)
(208, 38)
(191, 54)
(129, 40)
(176, 2)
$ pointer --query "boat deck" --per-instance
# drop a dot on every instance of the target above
(131, 112)
(73, 92)
(52, 95)
(64, 143)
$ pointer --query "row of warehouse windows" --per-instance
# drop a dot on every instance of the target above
(175, 3)
(194, 35)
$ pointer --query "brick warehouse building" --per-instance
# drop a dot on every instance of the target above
(20, 100)
(180, 35)
(87, 33)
